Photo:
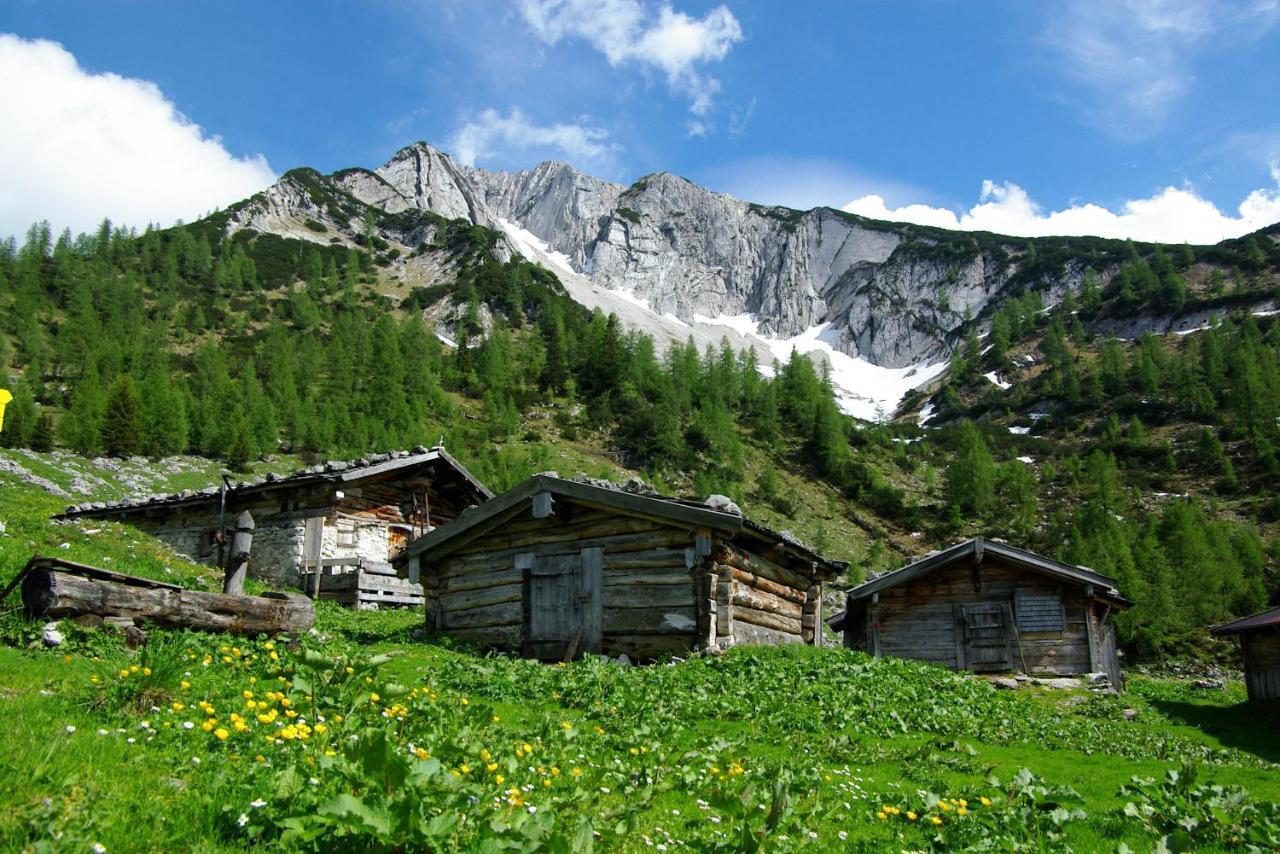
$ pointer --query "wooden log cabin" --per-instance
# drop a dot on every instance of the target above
(1260, 648)
(556, 568)
(337, 515)
(986, 606)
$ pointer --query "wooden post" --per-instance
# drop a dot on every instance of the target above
(241, 544)
(313, 550)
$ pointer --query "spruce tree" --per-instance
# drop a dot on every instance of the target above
(971, 477)
(43, 436)
(122, 434)
(81, 427)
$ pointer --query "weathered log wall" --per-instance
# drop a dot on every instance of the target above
(759, 601)
(917, 619)
(649, 598)
(1261, 649)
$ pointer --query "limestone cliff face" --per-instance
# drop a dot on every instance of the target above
(689, 252)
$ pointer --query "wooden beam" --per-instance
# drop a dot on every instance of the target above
(543, 505)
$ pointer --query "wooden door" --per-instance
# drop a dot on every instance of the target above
(986, 637)
(565, 606)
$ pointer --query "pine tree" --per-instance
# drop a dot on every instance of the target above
(122, 434)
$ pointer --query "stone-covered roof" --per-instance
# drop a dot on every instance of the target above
(334, 471)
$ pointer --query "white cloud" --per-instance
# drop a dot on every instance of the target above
(1138, 56)
(1173, 215)
(491, 133)
(77, 147)
(626, 32)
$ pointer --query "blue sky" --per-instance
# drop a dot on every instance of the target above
(1156, 118)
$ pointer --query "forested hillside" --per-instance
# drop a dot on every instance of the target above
(1151, 460)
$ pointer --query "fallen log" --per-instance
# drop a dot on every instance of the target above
(51, 591)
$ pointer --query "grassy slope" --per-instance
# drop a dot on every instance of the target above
(850, 734)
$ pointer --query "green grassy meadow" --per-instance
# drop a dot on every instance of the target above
(362, 736)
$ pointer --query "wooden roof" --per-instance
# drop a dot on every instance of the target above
(670, 510)
(1260, 620)
(369, 468)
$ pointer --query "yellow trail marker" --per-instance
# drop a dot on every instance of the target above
(5, 397)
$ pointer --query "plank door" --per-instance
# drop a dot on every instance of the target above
(986, 637)
(565, 606)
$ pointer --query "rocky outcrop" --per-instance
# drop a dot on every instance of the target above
(877, 290)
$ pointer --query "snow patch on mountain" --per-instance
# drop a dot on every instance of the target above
(863, 390)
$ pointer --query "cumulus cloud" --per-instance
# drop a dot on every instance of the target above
(1138, 57)
(77, 147)
(1173, 215)
(628, 33)
(491, 133)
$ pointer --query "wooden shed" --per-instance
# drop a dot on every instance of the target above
(555, 568)
(1260, 648)
(985, 606)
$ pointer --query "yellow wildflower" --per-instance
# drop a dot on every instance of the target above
(268, 646)
(421, 753)
(146, 671)
(566, 725)
(184, 684)
(882, 815)
(124, 674)
(320, 728)
(911, 816)
(936, 819)
(259, 758)
(491, 767)
(576, 772)
(221, 734)
(208, 725)
(247, 694)
(961, 811)
(499, 779)
(133, 668)
(286, 702)
(465, 769)
(985, 801)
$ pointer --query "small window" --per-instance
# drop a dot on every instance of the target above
(346, 534)
(1040, 612)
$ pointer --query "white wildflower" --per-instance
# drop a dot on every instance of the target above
(258, 803)
(242, 820)
(70, 729)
